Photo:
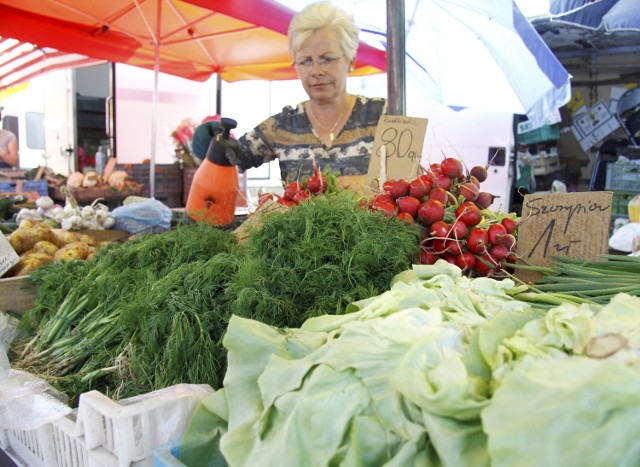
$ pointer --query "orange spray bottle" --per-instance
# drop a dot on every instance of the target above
(214, 189)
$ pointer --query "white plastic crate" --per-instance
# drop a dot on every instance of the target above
(108, 433)
(55, 444)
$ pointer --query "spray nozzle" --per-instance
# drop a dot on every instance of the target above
(223, 146)
(227, 125)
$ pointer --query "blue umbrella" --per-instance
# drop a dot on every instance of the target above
(606, 15)
(471, 54)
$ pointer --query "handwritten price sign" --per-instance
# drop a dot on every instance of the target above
(397, 148)
(572, 225)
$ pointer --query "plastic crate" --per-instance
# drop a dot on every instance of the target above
(107, 433)
(21, 186)
(168, 177)
(55, 444)
(625, 177)
(620, 203)
(544, 133)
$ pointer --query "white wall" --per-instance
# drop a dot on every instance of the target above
(178, 99)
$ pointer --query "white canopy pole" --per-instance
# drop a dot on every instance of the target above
(396, 85)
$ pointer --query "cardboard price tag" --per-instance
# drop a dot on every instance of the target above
(397, 149)
(572, 225)
(8, 256)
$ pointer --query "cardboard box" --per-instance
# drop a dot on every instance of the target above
(594, 125)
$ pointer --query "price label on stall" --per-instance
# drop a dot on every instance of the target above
(571, 225)
(8, 256)
(397, 149)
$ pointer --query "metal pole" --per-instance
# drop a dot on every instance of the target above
(218, 94)
(396, 57)
(154, 111)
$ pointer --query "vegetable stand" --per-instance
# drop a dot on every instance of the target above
(322, 313)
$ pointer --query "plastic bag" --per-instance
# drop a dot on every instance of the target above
(622, 239)
(26, 401)
(149, 216)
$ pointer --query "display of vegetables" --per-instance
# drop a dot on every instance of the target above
(116, 179)
(38, 244)
(157, 306)
(95, 216)
(441, 369)
(457, 224)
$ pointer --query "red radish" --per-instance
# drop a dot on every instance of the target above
(484, 199)
(381, 198)
(452, 167)
(440, 194)
(440, 229)
(469, 213)
(449, 258)
(508, 241)
(386, 186)
(477, 240)
(458, 229)
(509, 224)
(511, 259)
(286, 202)
(301, 196)
(431, 211)
(498, 252)
(406, 217)
(444, 182)
(420, 187)
(466, 260)
(479, 172)
(454, 246)
(387, 208)
(427, 257)
(485, 265)
(291, 189)
(317, 184)
(439, 245)
(468, 191)
(408, 204)
(495, 231)
(435, 169)
(399, 188)
(474, 180)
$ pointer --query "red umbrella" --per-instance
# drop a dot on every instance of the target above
(21, 61)
(237, 39)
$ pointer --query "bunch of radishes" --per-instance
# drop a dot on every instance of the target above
(454, 217)
(317, 184)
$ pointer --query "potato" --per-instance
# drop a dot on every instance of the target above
(46, 233)
(44, 246)
(92, 252)
(29, 263)
(69, 236)
(24, 238)
(72, 251)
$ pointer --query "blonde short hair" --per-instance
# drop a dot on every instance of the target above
(320, 15)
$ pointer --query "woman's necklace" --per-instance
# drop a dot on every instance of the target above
(330, 131)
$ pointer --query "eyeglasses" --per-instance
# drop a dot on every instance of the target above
(322, 62)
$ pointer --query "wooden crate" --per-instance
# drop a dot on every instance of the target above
(17, 294)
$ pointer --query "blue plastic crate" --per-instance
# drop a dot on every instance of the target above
(20, 186)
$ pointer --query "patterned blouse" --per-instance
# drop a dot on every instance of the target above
(288, 136)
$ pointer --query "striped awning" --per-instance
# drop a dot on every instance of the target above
(21, 61)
